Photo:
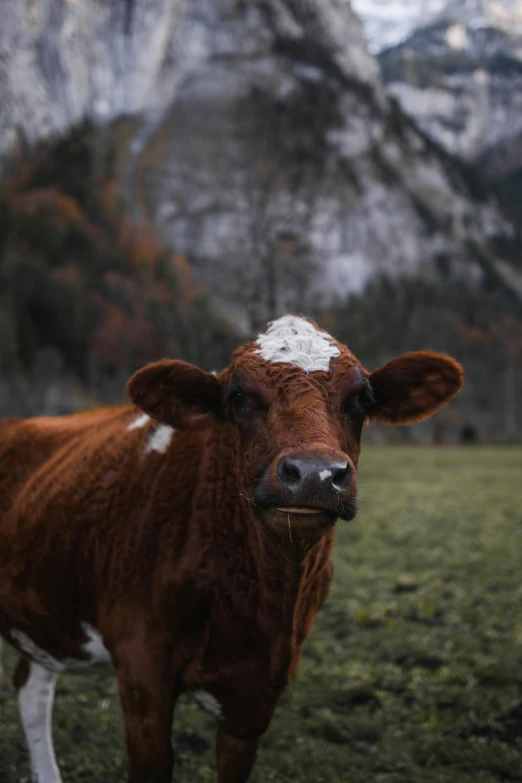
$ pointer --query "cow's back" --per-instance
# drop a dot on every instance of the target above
(31, 449)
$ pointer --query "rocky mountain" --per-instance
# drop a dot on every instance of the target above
(502, 14)
(389, 22)
(270, 145)
(63, 62)
(460, 77)
(259, 139)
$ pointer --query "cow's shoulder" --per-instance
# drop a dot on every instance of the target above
(32, 446)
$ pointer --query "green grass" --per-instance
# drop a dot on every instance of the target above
(413, 672)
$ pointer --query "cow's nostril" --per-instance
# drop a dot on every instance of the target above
(341, 476)
(288, 472)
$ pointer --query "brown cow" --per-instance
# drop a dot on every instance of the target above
(186, 545)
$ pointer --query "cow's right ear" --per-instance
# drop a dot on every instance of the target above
(176, 393)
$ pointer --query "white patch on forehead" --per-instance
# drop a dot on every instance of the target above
(96, 652)
(138, 423)
(293, 340)
(324, 474)
(159, 440)
(209, 703)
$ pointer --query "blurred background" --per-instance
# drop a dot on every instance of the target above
(174, 174)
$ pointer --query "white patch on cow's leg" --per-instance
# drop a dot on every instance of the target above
(324, 474)
(209, 703)
(160, 439)
(35, 700)
(35, 653)
(94, 648)
(97, 654)
(292, 340)
(141, 421)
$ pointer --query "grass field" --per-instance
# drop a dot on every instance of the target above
(414, 670)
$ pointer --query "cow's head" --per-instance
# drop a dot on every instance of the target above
(297, 400)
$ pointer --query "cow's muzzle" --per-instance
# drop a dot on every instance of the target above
(308, 487)
(313, 475)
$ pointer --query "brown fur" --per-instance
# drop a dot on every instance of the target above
(190, 585)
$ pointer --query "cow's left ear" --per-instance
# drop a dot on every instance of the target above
(176, 393)
(414, 386)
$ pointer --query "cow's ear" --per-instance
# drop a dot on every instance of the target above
(413, 386)
(176, 393)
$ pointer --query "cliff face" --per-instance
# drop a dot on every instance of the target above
(462, 84)
(389, 22)
(271, 137)
(455, 67)
(62, 62)
(266, 148)
(459, 75)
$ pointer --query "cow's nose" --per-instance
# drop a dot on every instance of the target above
(295, 474)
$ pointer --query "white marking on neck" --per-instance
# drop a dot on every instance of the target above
(138, 423)
(160, 439)
(292, 340)
(324, 474)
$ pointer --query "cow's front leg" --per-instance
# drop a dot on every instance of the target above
(147, 696)
(35, 686)
(235, 757)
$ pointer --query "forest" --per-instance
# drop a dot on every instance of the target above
(90, 292)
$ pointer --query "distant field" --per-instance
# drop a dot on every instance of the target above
(413, 673)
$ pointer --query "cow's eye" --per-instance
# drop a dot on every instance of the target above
(239, 401)
(351, 404)
(358, 402)
(238, 398)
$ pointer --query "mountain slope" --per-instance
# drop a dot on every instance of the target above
(262, 142)
(388, 22)
(462, 84)
(271, 133)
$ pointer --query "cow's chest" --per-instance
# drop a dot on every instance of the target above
(243, 681)
(91, 657)
(244, 696)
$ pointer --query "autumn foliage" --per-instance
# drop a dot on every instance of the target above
(81, 275)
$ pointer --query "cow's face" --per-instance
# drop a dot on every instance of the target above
(297, 400)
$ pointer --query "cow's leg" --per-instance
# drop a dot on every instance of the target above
(35, 699)
(235, 757)
(147, 698)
